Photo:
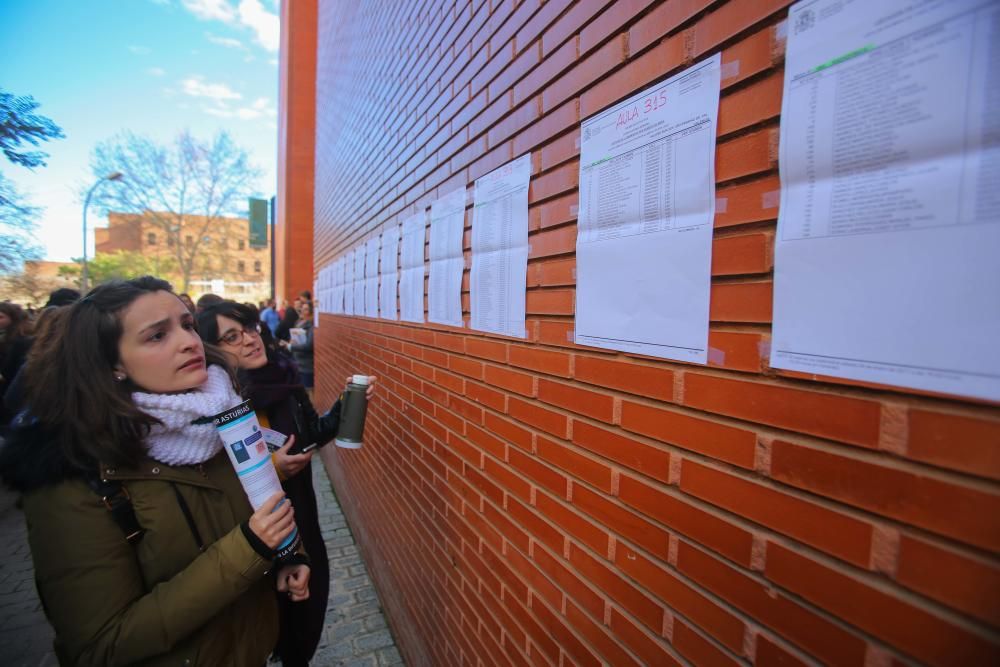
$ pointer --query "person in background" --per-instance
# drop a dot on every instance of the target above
(15, 341)
(64, 296)
(206, 300)
(269, 316)
(288, 321)
(269, 379)
(301, 346)
(144, 544)
(188, 303)
(12, 388)
(305, 295)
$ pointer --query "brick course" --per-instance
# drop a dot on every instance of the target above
(533, 501)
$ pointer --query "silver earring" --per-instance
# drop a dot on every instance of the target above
(119, 377)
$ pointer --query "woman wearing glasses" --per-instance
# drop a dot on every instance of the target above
(272, 383)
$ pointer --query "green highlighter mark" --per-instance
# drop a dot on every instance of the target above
(847, 56)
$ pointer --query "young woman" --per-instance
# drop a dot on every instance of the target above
(144, 544)
(269, 378)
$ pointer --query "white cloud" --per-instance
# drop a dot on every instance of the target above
(228, 42)
(223, 99)
(249, 13)
(195, 86)
(209, 10)
(140, 50)
(260, 108)
(156, 71)
(273, 61)
(265, 24)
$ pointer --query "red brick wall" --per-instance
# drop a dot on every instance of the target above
(537, 502)
(293, 233)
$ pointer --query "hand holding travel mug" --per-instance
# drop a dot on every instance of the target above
(353, 408)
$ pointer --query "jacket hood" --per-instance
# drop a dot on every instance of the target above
(31, 458)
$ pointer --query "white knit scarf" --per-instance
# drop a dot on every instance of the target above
(177, 441)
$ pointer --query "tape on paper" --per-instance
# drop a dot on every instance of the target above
(770, 199)
(781, 30)
(764, 349)
(721, 204)
(730, 70)
(716, 356)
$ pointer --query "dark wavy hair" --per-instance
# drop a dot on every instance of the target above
(20, 325)
(70, 385)
(245, 314)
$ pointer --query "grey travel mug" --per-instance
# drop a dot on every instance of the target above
(353, 408)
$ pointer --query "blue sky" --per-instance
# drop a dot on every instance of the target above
(154, 67)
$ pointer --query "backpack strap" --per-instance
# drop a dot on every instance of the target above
(115, 497)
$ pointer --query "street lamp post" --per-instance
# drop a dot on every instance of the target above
(113, 176)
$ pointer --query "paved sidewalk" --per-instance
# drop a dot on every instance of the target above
(356, 633)
(25, 635)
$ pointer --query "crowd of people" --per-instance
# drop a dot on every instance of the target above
(145, 546)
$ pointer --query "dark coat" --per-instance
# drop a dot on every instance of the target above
(160, 601)
(13, 360)
(303, 352)
(278, 396)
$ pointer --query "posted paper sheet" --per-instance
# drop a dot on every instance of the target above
(349, 283)
(886, 264)
(444, 292)
(338, 285)
(500, 249)
(411, 277)
(389, 272)
(371, 277)
(359, 280)
(319, 291)
(647, 201)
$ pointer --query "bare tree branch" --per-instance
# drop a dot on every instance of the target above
(168, 184)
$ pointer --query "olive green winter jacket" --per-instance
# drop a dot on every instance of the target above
(160, 601)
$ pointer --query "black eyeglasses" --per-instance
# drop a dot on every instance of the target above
(238, 337)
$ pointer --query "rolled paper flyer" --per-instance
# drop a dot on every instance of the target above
(244, 442)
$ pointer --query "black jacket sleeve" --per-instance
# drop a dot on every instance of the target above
(315, 428)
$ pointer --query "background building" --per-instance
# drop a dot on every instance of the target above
(222, 259)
